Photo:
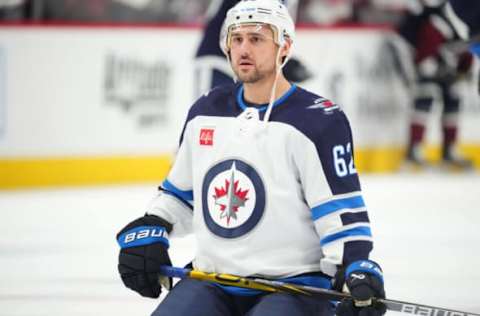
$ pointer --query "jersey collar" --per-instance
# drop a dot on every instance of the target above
(263, 107)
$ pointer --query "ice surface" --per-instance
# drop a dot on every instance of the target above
(58, 251)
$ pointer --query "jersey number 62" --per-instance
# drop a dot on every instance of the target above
(343, 160)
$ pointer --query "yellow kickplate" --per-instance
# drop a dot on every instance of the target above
(47, 172)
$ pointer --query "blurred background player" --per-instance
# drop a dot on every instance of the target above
(211, 66)
(103, 11)
(468, 13)
(14, 10)
(438, 68)
(465, 16)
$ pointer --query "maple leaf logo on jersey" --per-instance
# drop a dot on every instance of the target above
(233, 198)
(230, 198)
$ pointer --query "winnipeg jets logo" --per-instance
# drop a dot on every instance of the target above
(230, 197)
(233, 198)
(322, 103)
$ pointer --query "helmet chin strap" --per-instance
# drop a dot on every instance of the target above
(278, 70)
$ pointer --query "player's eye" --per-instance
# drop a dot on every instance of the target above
(236, 40)
(256, 39)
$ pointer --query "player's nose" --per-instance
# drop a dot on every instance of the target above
(245, 47)
(244, 55)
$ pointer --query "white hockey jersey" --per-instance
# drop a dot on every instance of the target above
(275, 199)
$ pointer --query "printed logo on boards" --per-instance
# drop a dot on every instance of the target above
(233, 198)
(140, 88)
(206, 136)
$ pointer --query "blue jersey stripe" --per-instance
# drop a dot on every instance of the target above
(185, 195)
(357, 231)
(336, 205)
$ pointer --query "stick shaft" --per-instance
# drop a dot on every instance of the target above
(284, 287)
(228, 279)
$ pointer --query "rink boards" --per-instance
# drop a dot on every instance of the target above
(90, 104)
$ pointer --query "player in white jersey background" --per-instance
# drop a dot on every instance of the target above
(265, 179)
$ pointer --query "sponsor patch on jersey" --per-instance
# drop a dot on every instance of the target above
(233, 198)
(206, 136)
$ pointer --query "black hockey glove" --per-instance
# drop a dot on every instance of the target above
(364, 280)
(144, 244)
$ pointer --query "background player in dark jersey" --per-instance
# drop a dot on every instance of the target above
(265, 179)
(465, 16)
(469, 12)
(438, 68)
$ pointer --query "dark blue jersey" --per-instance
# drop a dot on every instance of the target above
(469, 12)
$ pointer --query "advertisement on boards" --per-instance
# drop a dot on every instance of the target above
(138, 88)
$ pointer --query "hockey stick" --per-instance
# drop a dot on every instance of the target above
(284, 287)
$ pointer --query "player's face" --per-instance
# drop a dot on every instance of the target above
(253, 52)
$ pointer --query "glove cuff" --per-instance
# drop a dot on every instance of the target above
(143, 235)
(366, 266)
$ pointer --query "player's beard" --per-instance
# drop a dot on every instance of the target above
(255, 74)
(251, 77)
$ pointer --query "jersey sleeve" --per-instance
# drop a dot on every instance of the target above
(174, 203)
(332, 190)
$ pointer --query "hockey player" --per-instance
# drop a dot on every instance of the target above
(465, 17)
(265, 180)
(438, 68)
(212, 68)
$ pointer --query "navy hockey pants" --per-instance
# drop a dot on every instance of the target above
(197, 298)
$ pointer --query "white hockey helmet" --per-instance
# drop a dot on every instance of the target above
(271, 12)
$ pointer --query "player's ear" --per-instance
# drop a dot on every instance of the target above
(285, 49)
